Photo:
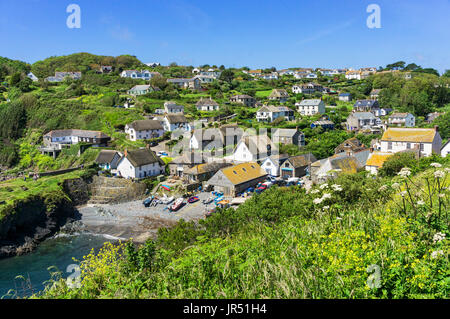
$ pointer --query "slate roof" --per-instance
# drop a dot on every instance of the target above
(363, 115)
(367, 104)
(140, 87)
(206, 101)
(144, 125)
(401, 115)
(172, 105)
(302, 160)
(314, 102)
(258, 143)
(280, 93)
(285, 132)
(76, 132)
(188, 158)
(206, 168)
(241, 96)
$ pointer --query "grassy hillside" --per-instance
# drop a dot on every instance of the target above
(286, 243)
(19, 190)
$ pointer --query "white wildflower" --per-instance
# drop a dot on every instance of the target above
(438, 237)
(435, 254)
(339, 218)
(323, 186)
(439, 174)
(314, 191)
(420, 203)
(383, 188)
(447, 169)
(403, 193)
(404, 172)
(436, 165)
(441, 195)
(326, 207)
(326, 195)
(317, 201)
(395, 185)
(337, 187)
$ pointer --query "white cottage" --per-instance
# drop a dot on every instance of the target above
(253, 148)
(178, 121)
(144, 130)
(140, 164)
(427, 140)
(271, 165)
(402, 119)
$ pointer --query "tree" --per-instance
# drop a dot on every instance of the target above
(443, 122)
(227, 76)
(159, 81)
(396, 162)
(412, 67)
(24, 85)
(397, 65)
(15, 79)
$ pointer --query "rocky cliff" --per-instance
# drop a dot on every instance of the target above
(32, 220)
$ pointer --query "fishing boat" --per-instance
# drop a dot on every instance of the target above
(168, 200)
(177, 205)
(167, 188)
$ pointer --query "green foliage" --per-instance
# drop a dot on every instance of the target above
(8, 67)
(443, 122)
(286, 243)
(396, 162)
(83, 62)
(419, 95)
(322, 145)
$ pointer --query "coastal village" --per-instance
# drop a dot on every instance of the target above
(185, 156)
(132, 150)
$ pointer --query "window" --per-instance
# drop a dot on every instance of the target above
(422, 147)
(408, 146)
(389, 145)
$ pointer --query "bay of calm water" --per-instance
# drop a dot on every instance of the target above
(58, 252)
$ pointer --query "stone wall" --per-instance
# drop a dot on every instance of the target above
(105, 190)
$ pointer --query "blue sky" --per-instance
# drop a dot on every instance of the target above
(253, 33)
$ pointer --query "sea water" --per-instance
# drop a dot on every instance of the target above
(58, 252)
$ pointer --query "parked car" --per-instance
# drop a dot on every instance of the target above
(148, 201)
(261, 189)
(153, 144)
(162, 154)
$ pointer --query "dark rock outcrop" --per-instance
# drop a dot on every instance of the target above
(32, 221)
